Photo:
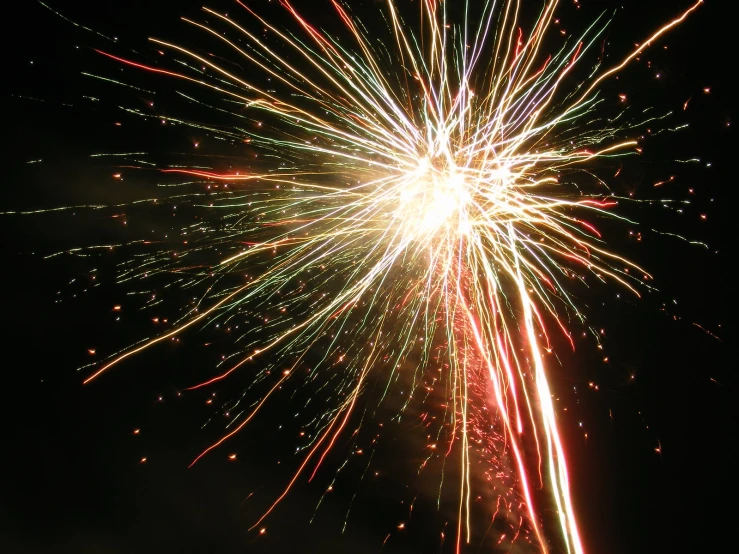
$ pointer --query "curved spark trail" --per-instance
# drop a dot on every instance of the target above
(421, 210)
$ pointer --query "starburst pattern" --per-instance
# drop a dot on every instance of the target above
(426, 203)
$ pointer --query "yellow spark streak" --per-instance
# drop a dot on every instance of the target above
(639, 50)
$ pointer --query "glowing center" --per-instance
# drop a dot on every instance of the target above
(432, 199)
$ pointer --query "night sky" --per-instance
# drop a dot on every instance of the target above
(72, 477)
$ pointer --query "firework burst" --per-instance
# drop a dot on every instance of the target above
(425, 203)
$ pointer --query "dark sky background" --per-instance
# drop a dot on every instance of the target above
(71, 477)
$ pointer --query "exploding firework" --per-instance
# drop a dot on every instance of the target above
(423, 203)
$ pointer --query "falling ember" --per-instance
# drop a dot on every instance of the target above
(439, 213)
(660, 183)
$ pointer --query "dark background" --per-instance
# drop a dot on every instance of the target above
(72, 481)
